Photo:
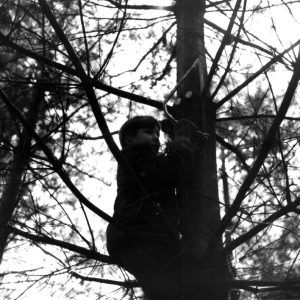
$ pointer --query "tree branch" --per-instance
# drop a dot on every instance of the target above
(256, 116)
(53, 160)
(154, 46)
(97, 84)
(238, 39)
(224, 42)
(91, 254)
(234, 150)
(266, 146)
(126, 284)
(261, 226)
(227, 69)
(281, 285)
(141, 7)
(256, 74)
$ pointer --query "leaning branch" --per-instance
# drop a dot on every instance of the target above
(90, 254)
(141, 7)
(238, 39)
(233, 149)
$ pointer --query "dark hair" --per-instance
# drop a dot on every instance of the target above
(131, 127)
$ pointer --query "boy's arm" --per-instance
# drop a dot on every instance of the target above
(185, 140)
(183, 131)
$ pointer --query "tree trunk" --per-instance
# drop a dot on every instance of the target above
(14, 183)
(210, 275)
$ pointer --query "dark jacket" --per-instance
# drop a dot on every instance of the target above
(150, 215)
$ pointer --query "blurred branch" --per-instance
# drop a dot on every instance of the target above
(90, 138)
(234, 149)
(125, 284)
(161, 39)
(256, 116)
(279, 285)
(141, 7)
(158, 7)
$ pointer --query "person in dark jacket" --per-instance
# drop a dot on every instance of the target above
(147, 236)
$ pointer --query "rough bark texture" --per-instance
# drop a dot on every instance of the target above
(13, 183)
(210, 273)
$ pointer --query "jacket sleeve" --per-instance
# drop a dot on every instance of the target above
(164, 171)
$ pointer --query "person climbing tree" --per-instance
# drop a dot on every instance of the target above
(150, 239)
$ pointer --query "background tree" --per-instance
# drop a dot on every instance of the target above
(241, 93)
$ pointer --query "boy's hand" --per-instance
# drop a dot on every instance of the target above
(184, 130)
(167, 126)
(187, 131)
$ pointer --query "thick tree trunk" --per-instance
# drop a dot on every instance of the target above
(209, 275)
(13, 183)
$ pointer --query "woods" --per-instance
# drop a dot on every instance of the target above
(71, 72)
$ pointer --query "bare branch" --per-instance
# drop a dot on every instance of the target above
(235, 150)
(256, 116)
(267, 144)
(220, 51)
(125, 284)
(261, 226)
(97, 84)
(90, 254)
(53, 160)
(256, 74)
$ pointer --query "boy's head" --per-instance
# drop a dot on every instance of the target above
(140, 130)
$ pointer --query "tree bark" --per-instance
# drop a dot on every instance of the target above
(209, 274)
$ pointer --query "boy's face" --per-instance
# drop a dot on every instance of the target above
(149, 136)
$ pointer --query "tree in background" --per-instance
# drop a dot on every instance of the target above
(72, 58)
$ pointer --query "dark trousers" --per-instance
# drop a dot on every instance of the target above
(166, 272)
(156, 267)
